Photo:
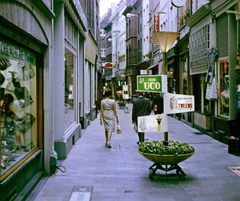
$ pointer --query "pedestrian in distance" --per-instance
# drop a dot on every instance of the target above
(141, 107)
(108, 113)
(157, 104)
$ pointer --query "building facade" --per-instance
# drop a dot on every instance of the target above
(48, 86)
(202, 61)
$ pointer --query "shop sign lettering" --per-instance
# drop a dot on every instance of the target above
(13, 52)
(178, 103)
(150, 83)
(156, 22)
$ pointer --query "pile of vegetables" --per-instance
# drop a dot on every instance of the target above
(163, 148)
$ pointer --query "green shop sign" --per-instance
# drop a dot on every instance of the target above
(152, 83)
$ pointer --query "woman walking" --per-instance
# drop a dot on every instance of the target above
(108, 113)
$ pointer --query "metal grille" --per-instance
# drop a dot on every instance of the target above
(199, 42)
(222, 35)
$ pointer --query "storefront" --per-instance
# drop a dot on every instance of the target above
(213, 57)
(70, 75)
(90, 79)
(184, 80)
(202, 34)
(25, 58)
(173, 70)
(227, 75)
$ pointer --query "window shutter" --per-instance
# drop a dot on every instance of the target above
(222, 35)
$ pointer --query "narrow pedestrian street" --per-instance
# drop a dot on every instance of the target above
(121, 173)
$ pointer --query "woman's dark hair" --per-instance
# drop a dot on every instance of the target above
(108, 92)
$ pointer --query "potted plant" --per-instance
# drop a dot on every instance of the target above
(166, 153)
(181, 20)
(187, 14)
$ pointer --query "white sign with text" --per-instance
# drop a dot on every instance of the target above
(153, 123)
(178, 103)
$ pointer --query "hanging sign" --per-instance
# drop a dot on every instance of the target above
(108, 65)
(156, 22)
(153, 39)
(178, 103)
(125, 92)
(153, 123)
(152, 83)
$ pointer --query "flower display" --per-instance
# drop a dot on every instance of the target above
(160, 148)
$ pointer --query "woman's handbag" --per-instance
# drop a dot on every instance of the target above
(119, 130)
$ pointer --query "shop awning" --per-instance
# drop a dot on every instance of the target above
(91, 49)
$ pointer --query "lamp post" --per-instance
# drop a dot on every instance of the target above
(165, 40)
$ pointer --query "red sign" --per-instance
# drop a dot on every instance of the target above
(108, 65)
(153, 39)
(156, 22)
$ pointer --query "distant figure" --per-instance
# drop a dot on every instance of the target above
(157, 105)
(108, 113)
(141, 107)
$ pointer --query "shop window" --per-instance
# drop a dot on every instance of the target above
(18, 107)
(202, 105)
(224, 87)
(184, 76)
(69, 90)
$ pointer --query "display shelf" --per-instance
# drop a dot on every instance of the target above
(15, 157)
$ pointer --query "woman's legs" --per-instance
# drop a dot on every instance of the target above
(108, 135)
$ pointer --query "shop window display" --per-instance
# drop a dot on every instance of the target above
(18, 134)
(224, 87)
(69, 90)
(184, 76)
(237, 69)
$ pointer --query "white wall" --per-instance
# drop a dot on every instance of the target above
(122, 38)
(119, 35)
(145, 27)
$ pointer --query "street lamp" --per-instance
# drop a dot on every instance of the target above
(165, 40)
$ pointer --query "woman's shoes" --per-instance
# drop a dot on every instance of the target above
(108, 145)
